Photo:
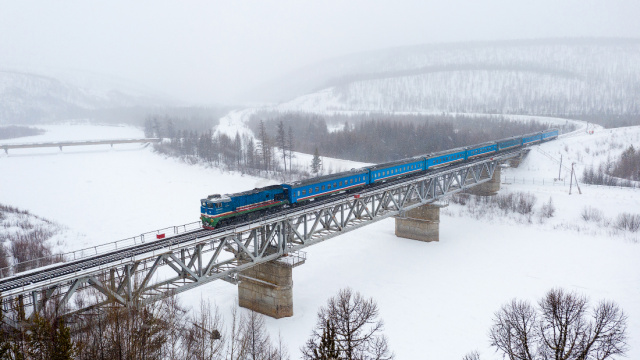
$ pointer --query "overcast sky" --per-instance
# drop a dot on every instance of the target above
(211, 51)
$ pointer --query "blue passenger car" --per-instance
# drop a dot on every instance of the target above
(395, 169)
(549, 135)
(326, 185)
(443, 158)
(481, 149)
(510, 143)
(531, 139)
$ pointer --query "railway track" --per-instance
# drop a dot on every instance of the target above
(62, 269)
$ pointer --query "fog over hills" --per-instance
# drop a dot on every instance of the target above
(543, 77)
(553, 77)
(30, 97)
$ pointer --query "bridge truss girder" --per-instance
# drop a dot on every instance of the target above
(157, 275)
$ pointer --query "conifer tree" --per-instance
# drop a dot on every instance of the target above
(63, 347)
(316, 163)
(290, 143)
(281, 140)
(327, 350)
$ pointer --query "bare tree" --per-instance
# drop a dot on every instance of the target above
(175, 319)
(256, 337)
(474, 355)
(514, 332)
(203, 339)
(237, 348)
(357, 331)
(560, 329)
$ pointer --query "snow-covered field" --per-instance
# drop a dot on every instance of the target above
(436, 299)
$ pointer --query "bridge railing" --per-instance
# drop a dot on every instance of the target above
(31, 265)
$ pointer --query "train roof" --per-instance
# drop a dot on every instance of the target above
(533, 134)
(481, 145)
(227, 197)
(509, 138)
(330, 177)
(396, 163)
(444, 152)
(256, 190)
(217, 198)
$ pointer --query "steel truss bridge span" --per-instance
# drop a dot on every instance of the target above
(155, 270)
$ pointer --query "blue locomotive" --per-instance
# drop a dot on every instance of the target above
(220, 210)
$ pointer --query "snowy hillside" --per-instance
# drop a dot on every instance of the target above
(30, 97)
(542, 77)
(436, 299)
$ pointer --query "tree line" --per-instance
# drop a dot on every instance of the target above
(271, 151)
(381, 138)
(561, 326)
(348, 328)
(621, 171)
(13, 131)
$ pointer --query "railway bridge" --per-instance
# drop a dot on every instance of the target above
(258, 255)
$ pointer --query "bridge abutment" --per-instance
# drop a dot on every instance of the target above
(268, 289)
(488, 188)
(421, 223)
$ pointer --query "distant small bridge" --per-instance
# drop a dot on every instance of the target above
(60, 144)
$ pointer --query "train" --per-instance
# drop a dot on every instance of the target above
(220, 210)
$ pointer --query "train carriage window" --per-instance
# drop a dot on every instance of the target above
(350, 181)
(322, 187)
(304, 192)
(298, 193)
(334, 184)
(328, 186)
(317, 189)
(340, 183)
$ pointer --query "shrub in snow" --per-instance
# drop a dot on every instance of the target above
(630, 222)
(592, 214)
(483, 206)
(474, 355)
(27, 240)
(521, 203)
(548, 209)
(460, 199)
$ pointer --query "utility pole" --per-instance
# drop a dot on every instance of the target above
(573, 175)
(571, 179)
(577, 185)
(560, 169)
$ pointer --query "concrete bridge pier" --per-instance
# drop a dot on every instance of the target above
(488, 188)
(421, 223)
(515, 162)
(267, 288)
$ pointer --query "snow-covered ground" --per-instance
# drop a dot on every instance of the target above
(436, 299)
